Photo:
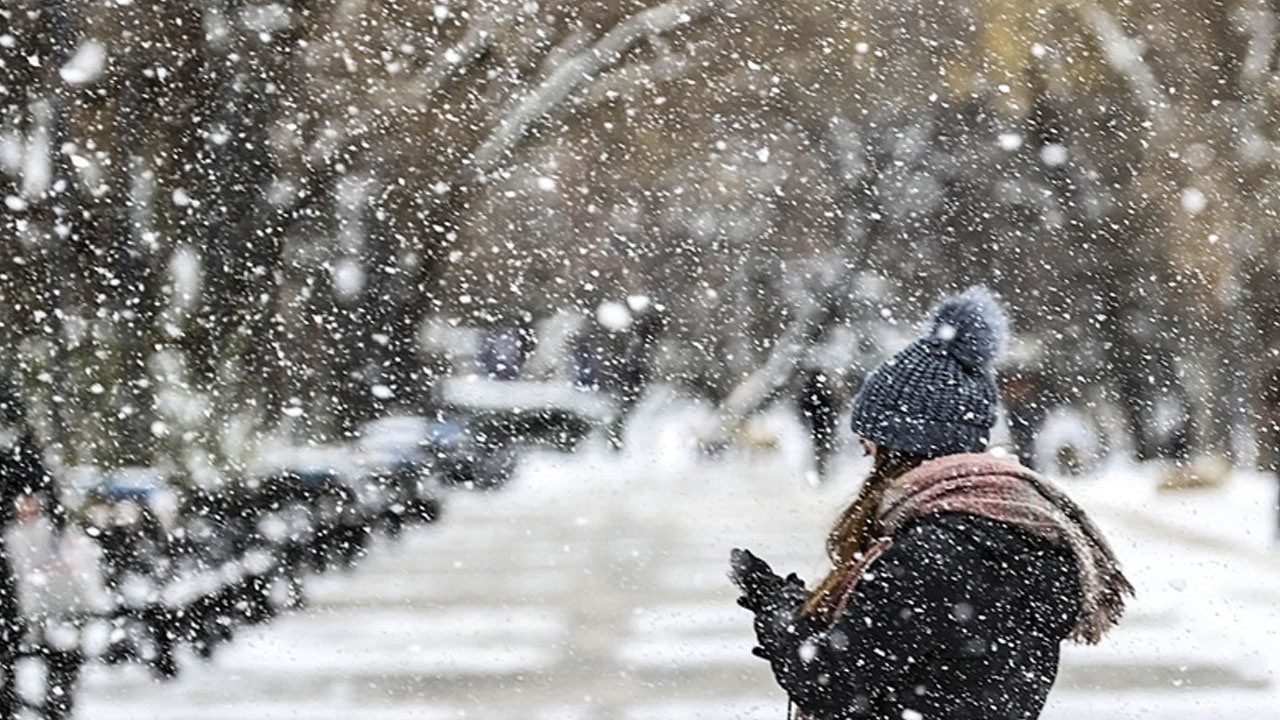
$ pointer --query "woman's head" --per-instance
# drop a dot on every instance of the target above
(938, 395)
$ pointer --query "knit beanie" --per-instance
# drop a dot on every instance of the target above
(938, 395)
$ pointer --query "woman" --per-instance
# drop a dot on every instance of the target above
(956, 574)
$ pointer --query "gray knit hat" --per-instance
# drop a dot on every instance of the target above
(938, 395)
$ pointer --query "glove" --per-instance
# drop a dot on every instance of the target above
(793, 590)
(762, 588)
(780, 617)
(775, 601)
(753, 576)
(790, 592)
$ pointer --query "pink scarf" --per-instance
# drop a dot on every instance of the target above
(1002, 490)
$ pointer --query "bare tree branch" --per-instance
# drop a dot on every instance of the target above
(1124, 54)
(1258, 23)
(812, 321)
(627, 81)
(579, 70)
(458, 57)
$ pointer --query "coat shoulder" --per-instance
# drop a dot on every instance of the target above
(995, 540)
(1009, 566)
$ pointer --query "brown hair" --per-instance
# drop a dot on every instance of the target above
(857, 529)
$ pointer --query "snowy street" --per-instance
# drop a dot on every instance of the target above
(374, 360)
(594, 587)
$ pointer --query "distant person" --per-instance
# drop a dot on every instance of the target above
(587, 361)
(635, 363)
(1158, 406)
(1026, 400)
(956, 574)
(819, 411)
(22, 471)
(58, 584)
(600, 349)
(614, 354)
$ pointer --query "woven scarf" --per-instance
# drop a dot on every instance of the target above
(1002, 490)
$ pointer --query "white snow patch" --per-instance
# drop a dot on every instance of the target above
(11, 151)
(1009, 141)
(86, 65)
(184, 271)
(37, 165)
(677, 619)
(613, 315)
(267, 18)
(1054, 154)
(694, 651)
(348, 278)
(1193, 201)
(638, 303)
(762, 708)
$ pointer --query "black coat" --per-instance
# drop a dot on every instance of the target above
(960, 619)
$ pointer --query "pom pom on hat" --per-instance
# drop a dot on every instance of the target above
(971, 327)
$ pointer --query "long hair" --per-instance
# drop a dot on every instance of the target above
(857, 529)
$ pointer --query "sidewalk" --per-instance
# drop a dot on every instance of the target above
(594, 588)
(1202, 639)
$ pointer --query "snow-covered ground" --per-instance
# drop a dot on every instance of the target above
(594, 587)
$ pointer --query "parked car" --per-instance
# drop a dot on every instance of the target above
(502, 414)
(400, 472)
(130, 511)
(465, 455)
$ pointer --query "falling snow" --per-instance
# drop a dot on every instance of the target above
(284, 284)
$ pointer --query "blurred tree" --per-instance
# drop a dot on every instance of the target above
(283, 190)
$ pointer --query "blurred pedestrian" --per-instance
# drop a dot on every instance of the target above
(817, 403)
(1026, 400)
(503, 351)
(22, 471)
(614, 355)
(1158, 404)
(634, 365)
(58, 585)
(956, 574)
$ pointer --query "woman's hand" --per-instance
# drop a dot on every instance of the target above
(775, 601)
(762, 588)
(751, 574)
